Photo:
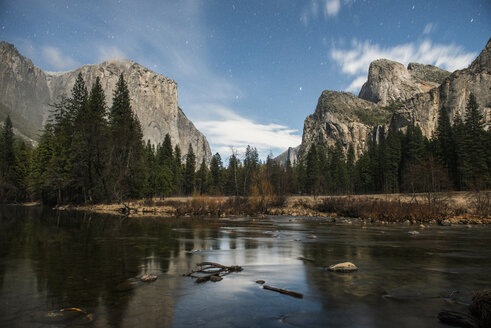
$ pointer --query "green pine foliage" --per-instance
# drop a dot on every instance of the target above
(89, 153)
(190, 172)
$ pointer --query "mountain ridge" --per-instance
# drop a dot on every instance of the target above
(29, 91)
(405, 96)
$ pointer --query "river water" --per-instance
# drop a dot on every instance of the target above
(55, 260)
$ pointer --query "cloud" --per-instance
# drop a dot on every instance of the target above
(429, 28)
(230, 130)
(330, 8)
(109, 52)
(356, 60)
(57, 60)
(357, 84)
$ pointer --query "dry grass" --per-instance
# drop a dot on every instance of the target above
(464, 207)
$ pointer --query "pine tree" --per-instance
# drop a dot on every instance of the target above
(202, 178)
(40, 187)
(251, 167)
(23, 157)
(165, 153)
(445, 141)
(8, 181)
(312, 171)
(231, 185)
(79, 148)
(177, 172)
(190, 172)
(474, 141)
(337, 169)
(350, 167)
(215, 179)
(90, 146)
(461, 155)
(391, 157)
(126, 164)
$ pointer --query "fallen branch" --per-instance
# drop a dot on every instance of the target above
(211, 271)
(283, 291)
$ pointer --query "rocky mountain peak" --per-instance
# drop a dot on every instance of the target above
(415, 95)
(427, 73)
(389, 81)
(27, 91)
(483, 61)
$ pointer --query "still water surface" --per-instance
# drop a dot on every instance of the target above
(54, 260)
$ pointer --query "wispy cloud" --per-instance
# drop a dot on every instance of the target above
(109, 52)
(230, 130)
(430, 27)
(57, 59)
(355, 61)
(357, 83)
(324, 8)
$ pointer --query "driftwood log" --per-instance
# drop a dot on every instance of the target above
(207, 270)
(283, 291)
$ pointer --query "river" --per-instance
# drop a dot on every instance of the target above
(56, 260)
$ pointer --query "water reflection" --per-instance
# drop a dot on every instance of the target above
(53, 260)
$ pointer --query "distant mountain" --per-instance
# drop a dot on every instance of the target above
(290, 154)
(26, 93)
(395, 97)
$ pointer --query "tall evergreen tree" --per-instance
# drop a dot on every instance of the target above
(202, 178)
(8, 181)
(190, 172)
(232, 185)
(90, 146)
(216, 169)
(126, 164)
(350, 167)
(177, 172)
(474, 141)
(312, 176)
(391, 157)
(251, 167)
(462, 161)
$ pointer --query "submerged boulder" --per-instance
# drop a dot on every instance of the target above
(148, 277)
(343, 267)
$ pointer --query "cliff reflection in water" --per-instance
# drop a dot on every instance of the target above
(53, 260)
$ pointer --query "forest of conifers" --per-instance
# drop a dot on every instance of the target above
(89, 153)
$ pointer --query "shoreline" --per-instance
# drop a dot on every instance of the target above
(442, 208)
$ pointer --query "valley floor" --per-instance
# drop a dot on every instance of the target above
(432, 208)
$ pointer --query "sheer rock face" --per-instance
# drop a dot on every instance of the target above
(389, 81)
(153, 96)
(337, 118)
(421, 90)
(23, 86)
(453, 94)
(291, 154)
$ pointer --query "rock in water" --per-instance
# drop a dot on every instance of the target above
(27, 91)
(148, 277)
(215, 278)
(343, 267)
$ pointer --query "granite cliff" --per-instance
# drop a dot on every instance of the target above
(394, 97)
(26, 93)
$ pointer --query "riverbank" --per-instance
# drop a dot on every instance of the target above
(436, 208)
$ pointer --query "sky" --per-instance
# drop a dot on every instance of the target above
(249, 72)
